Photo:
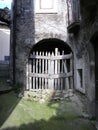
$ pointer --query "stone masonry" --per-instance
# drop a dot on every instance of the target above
(28, 28)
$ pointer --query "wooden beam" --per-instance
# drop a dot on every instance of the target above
(50, 76)
(59, 57)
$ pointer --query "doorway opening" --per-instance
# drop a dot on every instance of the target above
(51, 66)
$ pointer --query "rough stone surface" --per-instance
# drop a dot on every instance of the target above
(29, 28)
(43, 96)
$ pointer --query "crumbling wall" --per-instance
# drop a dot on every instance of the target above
(30, 28)
(84, 54)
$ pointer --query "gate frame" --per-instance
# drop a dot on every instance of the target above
(53, 57)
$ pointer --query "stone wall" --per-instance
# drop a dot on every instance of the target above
(29, 28)
(84, 54)
(47, 95)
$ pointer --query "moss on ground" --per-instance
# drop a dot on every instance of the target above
(20, 114)
(4, 85)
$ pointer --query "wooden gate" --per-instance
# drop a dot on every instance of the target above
(50, 70)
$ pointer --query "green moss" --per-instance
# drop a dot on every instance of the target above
(20, 114)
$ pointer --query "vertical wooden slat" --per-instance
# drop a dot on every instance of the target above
(71, 78)
(58, 86)
(46, 71)
(56, 68)
(52, 72)
(30, 70)
(62, 71)
(43, 71)
(66, 79)
(27, 76)
(33, 71)
(40, 84)
(49, 68)
(36, 71)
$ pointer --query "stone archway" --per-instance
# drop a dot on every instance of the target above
(50, 65)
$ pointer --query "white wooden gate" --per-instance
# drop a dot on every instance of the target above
(50, 71)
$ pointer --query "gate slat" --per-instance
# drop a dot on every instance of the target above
(71, 78)
(30, 70)
(43, 71)
(36, 71)
(66, 79)
(62, 71)
(52, 72)
(33, 71)
(49, 67)
(46, 72)
(40, 84)
(27, 76)
(56, 71)
(58, 86)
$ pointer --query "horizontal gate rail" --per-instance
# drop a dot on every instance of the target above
(60, 57)
(50, 76)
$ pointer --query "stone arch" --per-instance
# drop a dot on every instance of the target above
(47, 48)
(63, 38)
(50, 44)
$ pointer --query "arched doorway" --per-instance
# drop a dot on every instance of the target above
(51, 65)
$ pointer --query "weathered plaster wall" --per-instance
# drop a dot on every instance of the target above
(84, 54)
(31, 27)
